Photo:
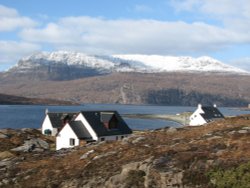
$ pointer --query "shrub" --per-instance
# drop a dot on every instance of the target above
(135, 178)
(238, 177)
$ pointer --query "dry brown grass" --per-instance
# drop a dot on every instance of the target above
(193, 149)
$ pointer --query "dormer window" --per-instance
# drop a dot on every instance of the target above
(109, 120)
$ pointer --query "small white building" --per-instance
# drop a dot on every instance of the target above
(91, 126)
(71, 135)
(205, 114)
(54, 121)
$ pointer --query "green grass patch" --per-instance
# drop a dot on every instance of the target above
(237, 177)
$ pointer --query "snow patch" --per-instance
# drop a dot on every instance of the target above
(129, 63)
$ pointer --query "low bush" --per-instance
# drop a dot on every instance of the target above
(237, 177)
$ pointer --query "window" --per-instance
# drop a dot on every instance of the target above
(109, 120)
(47, 132)
(71, 141)
(113, 123)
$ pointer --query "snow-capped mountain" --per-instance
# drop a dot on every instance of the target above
(72, 65)
(182, 64)
(104, 64)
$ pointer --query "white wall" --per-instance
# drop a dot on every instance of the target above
(196, 119)
(47, 125)
(63, 138)
(114, 137)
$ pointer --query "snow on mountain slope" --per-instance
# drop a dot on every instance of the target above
(70, 58)
(128, 63)
(182, 64)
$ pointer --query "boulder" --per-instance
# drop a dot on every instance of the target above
(104, 155)
(2, 135)
(243, 131)
(36, 144)
(171, 130)
(138, 140)
(85, 155)
(5, 155)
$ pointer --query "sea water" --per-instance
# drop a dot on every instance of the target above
(32, 116)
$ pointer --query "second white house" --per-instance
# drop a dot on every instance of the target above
(205, 114)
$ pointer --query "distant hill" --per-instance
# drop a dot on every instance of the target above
(11, 99)
(140, 88)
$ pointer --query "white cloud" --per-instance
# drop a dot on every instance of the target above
(8, 12)
(97, 35)
(233, 15)
(221, 10)
(53, 33)
(227, 8)
(11, 20)
(132, 36)
(12, 51)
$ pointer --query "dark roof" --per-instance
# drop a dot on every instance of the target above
(57, 119)
(211, 113)
(95, 119)
(80, 130)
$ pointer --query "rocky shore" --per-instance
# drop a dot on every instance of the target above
(182, 118)
(215, 155)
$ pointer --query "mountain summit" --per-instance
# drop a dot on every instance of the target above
(181, 64)
(63, 65)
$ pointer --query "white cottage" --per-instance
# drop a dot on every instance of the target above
(53, 122)
(91, 126)
(205, 114)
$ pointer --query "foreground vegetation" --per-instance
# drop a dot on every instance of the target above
(215, 155)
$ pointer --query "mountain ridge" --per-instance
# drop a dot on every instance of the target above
(83, 65)
(104, 79)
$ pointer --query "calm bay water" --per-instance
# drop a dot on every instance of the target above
(31, 116)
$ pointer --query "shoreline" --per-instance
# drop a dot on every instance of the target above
(182, 118)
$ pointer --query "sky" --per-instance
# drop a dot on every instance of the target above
(215, 28)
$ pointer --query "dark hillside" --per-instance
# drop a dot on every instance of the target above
(11, 99)
(138, 88)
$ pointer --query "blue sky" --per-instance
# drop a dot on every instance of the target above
(220, 29)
